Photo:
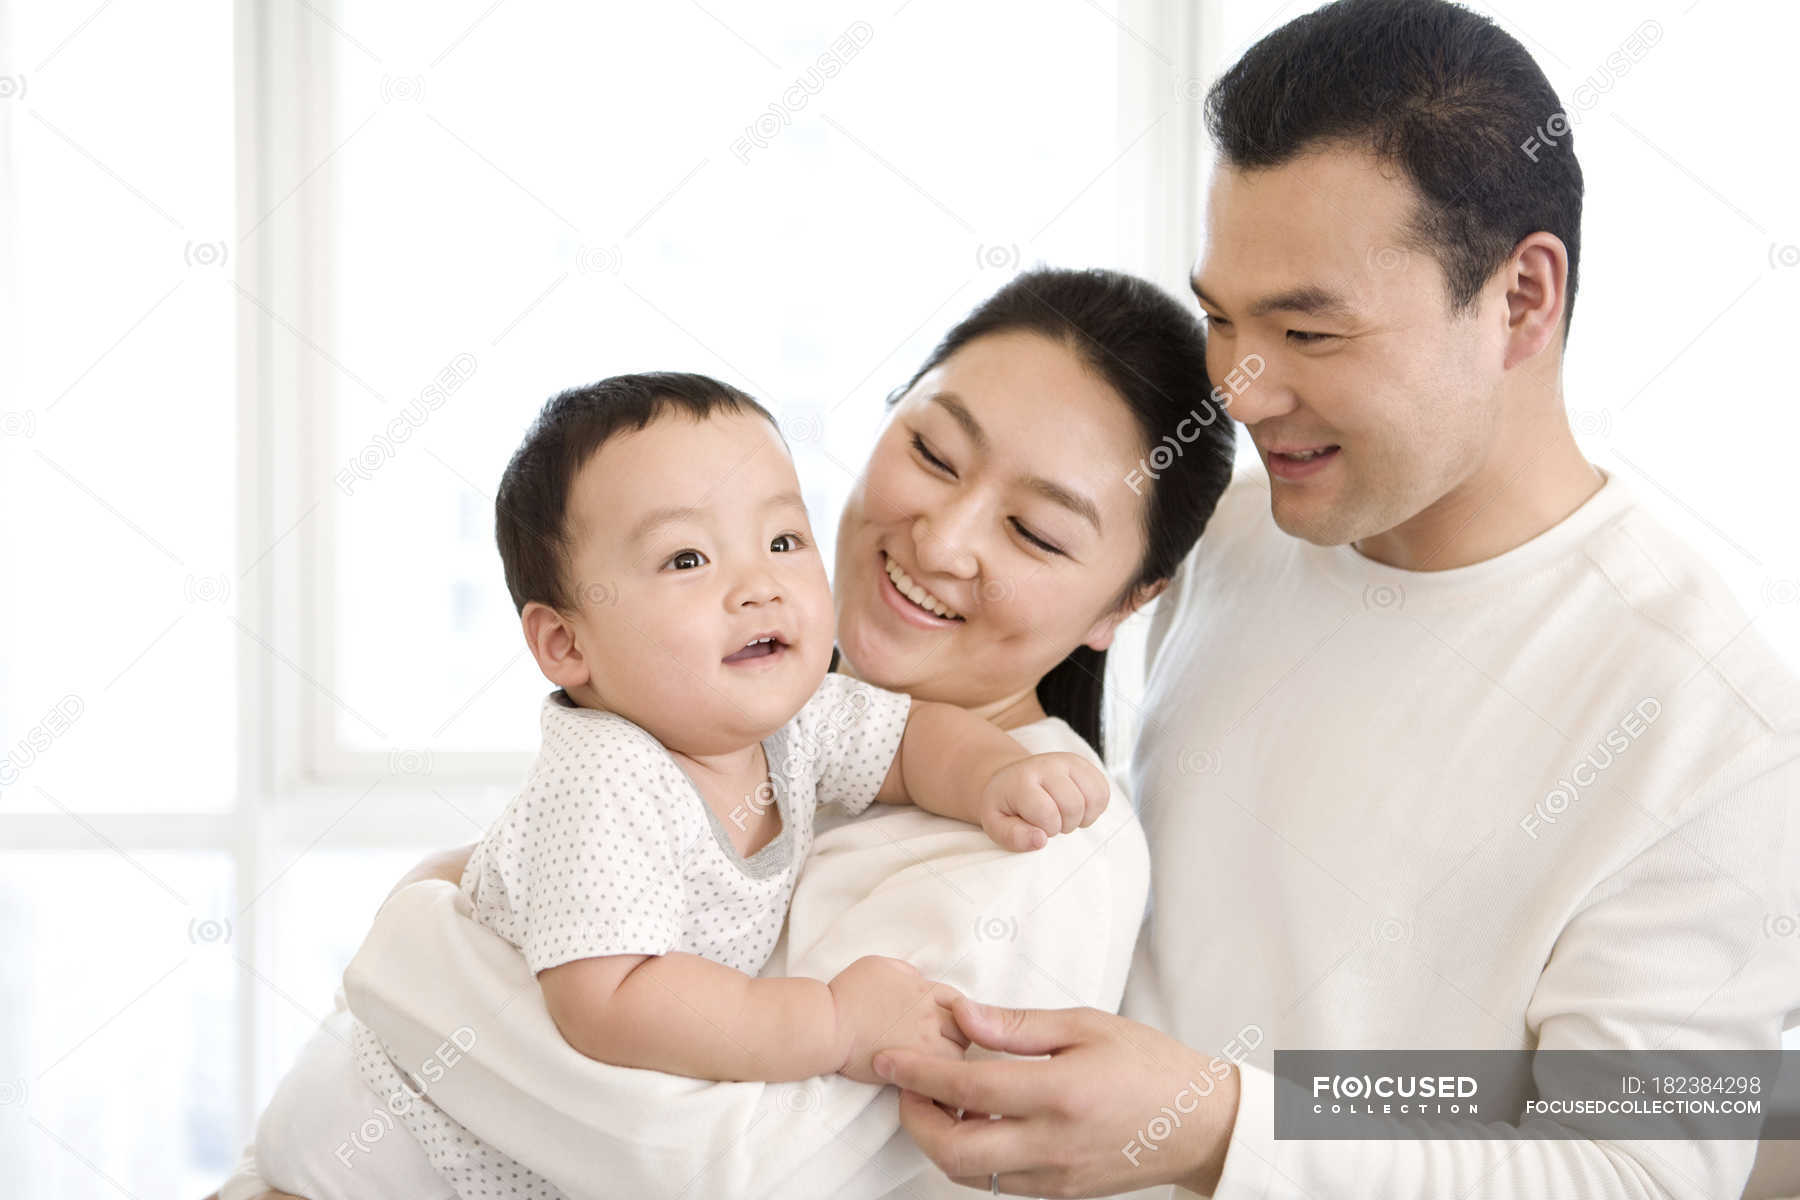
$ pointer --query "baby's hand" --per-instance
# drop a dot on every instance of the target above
(1029, 801)
(885, 1004)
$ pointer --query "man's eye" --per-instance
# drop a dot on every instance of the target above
(693, 557)
(788, 537)
(1307, 337)
(919, 445)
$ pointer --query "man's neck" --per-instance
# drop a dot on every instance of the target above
(1523, 489)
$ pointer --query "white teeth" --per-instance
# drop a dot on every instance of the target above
(1304, 455)
(758, 642)
(903, 583)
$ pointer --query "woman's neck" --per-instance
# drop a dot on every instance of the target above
(1008, 712)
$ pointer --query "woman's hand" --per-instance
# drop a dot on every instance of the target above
(884, 1003)
(447, 865)
(1116, 1106)
(1031, 800)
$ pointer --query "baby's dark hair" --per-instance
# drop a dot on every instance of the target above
(531, 507)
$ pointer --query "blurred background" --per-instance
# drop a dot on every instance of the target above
(284, 281)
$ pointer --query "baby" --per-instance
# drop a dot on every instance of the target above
(657, 548)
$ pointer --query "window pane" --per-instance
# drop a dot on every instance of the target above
(1690, 264)
(780, 194)
(118, 1052)
(117, 422)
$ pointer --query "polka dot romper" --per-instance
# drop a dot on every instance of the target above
(610, 849)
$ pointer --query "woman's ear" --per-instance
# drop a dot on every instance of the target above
(552, 641)
(1100, 635)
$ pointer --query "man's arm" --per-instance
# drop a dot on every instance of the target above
(1671, 952)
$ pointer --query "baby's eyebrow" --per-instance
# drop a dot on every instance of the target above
(656, 518)
(670, 514)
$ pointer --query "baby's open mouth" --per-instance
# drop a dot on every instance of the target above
(763, 647)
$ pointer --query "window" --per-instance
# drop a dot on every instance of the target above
(284, 315)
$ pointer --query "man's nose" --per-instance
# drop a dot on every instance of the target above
(1255, 389)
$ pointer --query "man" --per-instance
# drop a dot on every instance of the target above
(1448, 744)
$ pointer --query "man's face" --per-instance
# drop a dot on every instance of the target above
(1372, 400)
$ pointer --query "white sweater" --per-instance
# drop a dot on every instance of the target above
(1050, 928)
(1548, 800)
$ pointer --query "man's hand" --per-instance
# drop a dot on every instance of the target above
(1029, 801)
(1074, 1124)
(884, 1003)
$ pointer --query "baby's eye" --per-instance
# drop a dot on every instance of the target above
(788, 537)
(693, 557)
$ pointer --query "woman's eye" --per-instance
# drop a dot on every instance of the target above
(1217, 323)
(692, 557)
(919, 445)
(1033, 538)
(788, 537)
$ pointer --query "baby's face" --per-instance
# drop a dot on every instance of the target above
(667, 600)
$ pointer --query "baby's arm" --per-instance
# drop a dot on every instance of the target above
(956, 764)
(688, 1015)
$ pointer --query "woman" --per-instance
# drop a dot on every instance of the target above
(1004, 526)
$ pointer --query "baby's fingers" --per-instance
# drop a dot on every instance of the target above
(1096, 790)
(1012, 832)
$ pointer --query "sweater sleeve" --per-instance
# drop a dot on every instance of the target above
(1672, 951)
(1018, 929)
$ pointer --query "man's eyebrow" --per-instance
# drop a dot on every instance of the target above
(1051, 490)
(670, 514)
(1309, 300)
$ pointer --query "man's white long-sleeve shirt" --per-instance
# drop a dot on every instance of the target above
(1550, 800)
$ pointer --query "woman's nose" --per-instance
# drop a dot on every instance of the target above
(942, 539)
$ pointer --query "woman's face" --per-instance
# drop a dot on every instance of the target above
(998, 487)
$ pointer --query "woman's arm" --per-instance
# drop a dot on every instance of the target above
(1047, 929)
(447, 865)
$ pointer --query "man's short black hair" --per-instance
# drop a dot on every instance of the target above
(1442, 92)
(531, 506)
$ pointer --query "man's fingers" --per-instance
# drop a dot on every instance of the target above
(966, 1148)
(1020, 1030)
(950, 1029)
(990, 1085)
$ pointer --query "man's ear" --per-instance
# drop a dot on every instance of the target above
(1537, 280)
(552, 642)
(1100, 635)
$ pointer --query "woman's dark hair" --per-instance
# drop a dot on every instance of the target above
(531, 507)
(1439, 91)
(1150, 349)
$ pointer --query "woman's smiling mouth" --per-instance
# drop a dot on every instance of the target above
(912, 600)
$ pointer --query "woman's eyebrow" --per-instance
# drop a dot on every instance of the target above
(1075, 502)
(1051, 490)
(951, 403)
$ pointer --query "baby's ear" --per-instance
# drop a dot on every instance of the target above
(552, 641)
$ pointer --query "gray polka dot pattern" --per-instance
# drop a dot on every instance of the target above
(610, 849)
